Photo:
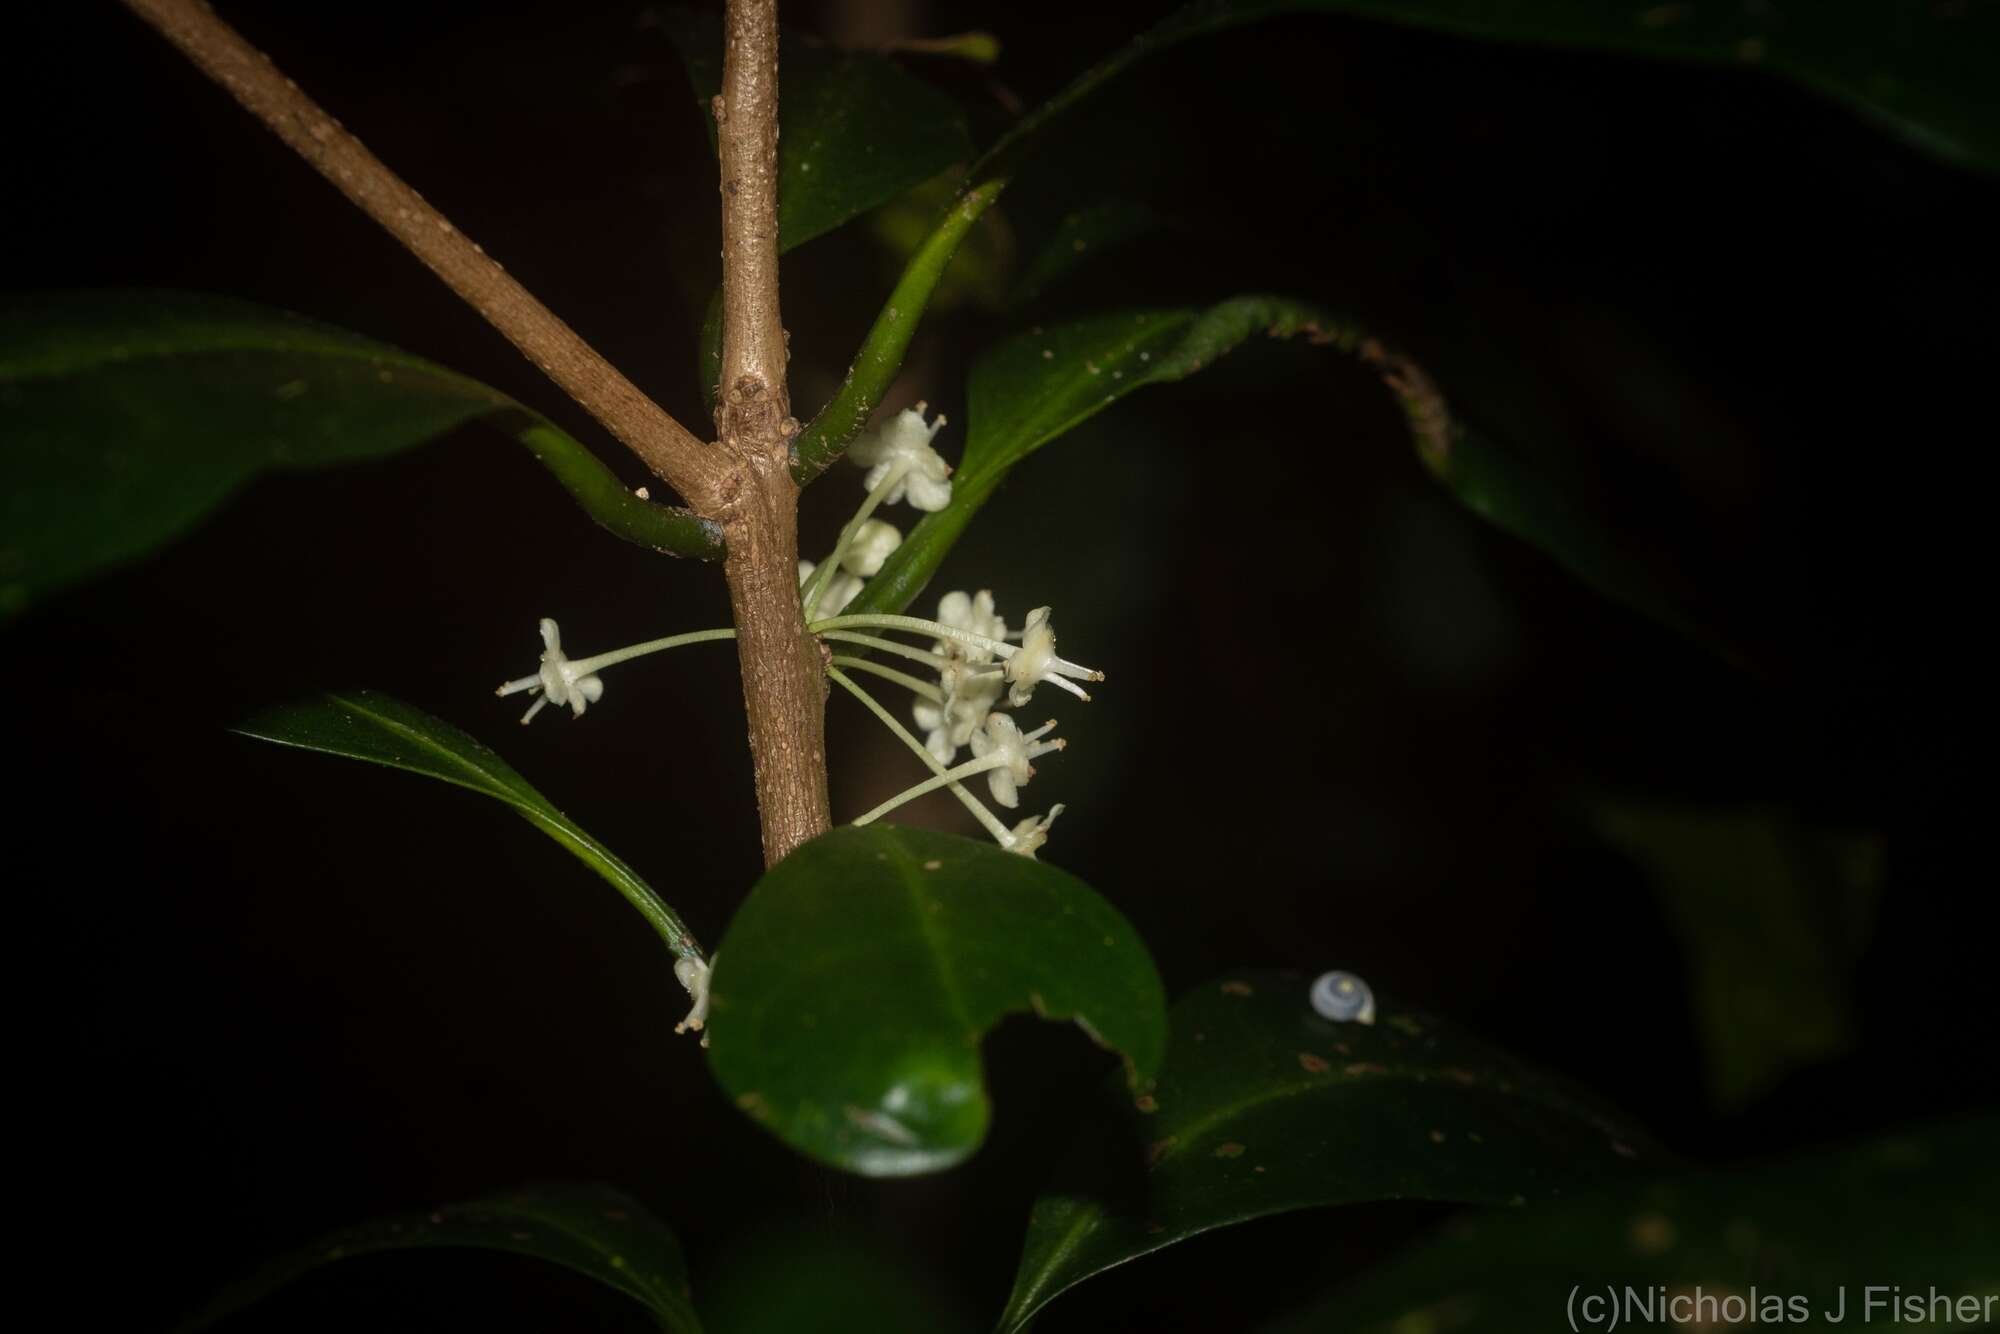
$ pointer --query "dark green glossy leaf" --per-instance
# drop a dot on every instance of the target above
(854, 986)
(1773, 915)
(822, 1277)
(127, 416)
(594, 1230)
(1923, 73)
(364, 725)
(1034, 387)
(1810, 1237)
(1080, 236)
(854, 130)
(1263, 1107)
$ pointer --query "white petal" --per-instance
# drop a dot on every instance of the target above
(873, 542)
(926, 494)
(1002, 784)
(555, 685)
(939, 744)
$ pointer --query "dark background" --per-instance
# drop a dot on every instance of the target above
(1347, 723)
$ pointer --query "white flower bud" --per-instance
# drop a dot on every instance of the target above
(873, 543)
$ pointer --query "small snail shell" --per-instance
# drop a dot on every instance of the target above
(1343, 998)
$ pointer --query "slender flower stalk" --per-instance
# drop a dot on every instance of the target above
(815, 586)
(949, 778)
(993, 761)
(935, 661)
(921, 689)
(1027, 664)
(917, 625)
(1001, 833)
(631, 651)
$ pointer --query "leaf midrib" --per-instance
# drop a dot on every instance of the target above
(661, 1298)
(947, 978)
(495, 786)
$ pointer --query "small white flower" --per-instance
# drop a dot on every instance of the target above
(902, 446)
(1002, 737)
(973, 614)
(968, 697)
(840, 590)
(1036, 662)
(558, 682)
(872, 544)
(693, 975)
(1031, 833)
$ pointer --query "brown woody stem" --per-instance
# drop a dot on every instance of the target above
(662, 443)
(745, 484)
(784, 681)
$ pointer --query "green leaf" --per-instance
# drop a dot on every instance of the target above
(1812, 1235)
(1264, 1107)
(127, 416)
(856, 981)
(786, 1277)
(364, 725)
(1773, 915)
(854, 130)
(881, 354)
(1079, 236)
(1032, 388)
(1921, 72)
(594, 1230)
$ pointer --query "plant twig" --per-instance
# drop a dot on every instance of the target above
(784, 686)
(745, 487)
(751, 392)
(663, 444)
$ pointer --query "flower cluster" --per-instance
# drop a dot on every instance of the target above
(969, 690)
(977, 668)
(980, 671)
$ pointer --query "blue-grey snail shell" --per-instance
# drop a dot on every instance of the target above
(1343, 998)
